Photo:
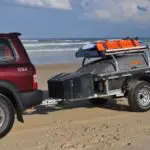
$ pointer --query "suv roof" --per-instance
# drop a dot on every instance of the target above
(17, 47)
(12, 34)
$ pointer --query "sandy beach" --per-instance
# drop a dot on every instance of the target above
(78, 125)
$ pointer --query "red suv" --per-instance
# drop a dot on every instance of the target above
(18, 84)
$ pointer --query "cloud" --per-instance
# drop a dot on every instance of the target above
(109, 10)
(117, 10)
(58, 4)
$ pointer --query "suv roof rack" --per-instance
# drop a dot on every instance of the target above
(14, 34)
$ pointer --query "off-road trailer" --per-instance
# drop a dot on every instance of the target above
(122, 72)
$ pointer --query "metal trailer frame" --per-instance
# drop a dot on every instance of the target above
(106, 77)
(144, 50)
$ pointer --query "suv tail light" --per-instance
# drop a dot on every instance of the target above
(35, 84)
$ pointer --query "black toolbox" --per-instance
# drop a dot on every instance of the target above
(71, 86)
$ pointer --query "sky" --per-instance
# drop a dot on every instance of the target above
(76, 18)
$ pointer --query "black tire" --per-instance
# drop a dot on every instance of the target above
(7, 116)
(98, 101)
(139, 97)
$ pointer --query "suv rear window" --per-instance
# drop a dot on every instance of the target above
(5, 50)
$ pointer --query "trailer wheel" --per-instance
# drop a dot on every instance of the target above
(139, 97)
(98, 101)
(7, 115)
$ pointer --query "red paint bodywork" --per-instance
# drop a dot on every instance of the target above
(21, 71)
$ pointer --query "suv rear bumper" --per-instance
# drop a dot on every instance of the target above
(30, 99)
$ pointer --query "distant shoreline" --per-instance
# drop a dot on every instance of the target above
(82, 38)
(58, 51)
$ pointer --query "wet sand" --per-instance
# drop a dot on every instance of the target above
(78, 125)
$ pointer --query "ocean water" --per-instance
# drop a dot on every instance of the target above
(50, 51)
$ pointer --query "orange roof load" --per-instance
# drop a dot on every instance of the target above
(117, 44)
(136, 42)
(100, 46)
(112, 44)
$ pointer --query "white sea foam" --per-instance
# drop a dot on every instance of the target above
(29, 41)
(33, 46)
(52, 50)
(51, 44)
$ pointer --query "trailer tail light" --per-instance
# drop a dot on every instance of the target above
(35, 84)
